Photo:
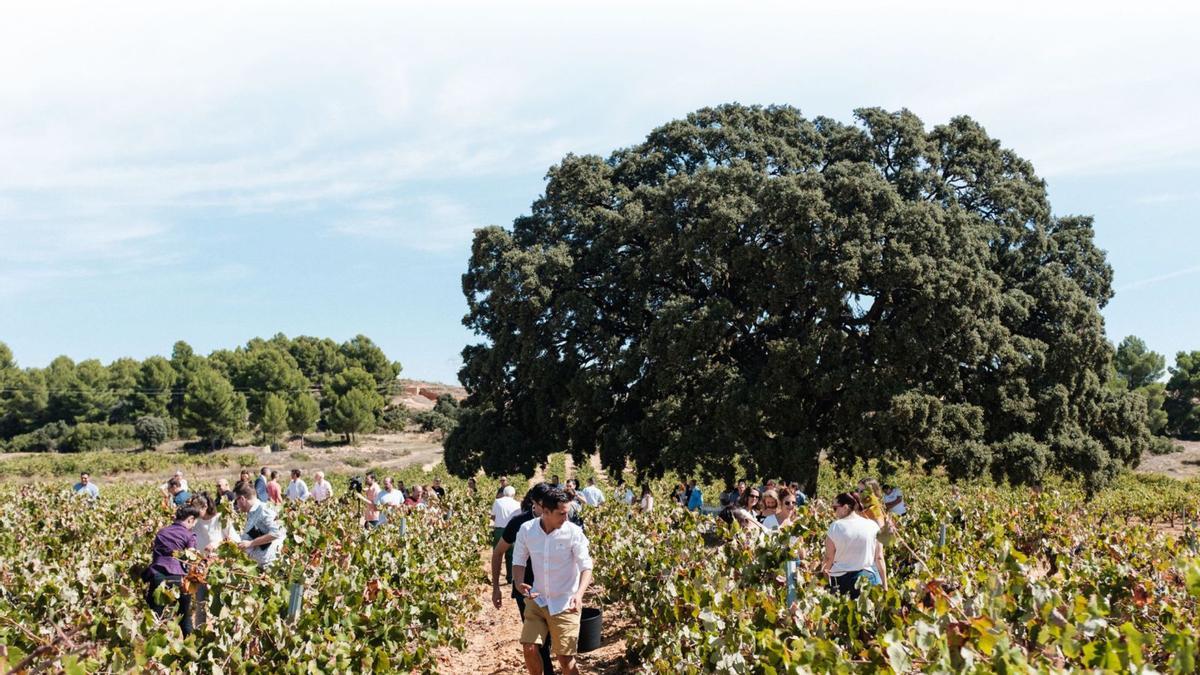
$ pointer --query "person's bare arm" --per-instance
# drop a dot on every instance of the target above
(519, 581)
(576, 601)
(498, 552)
(830, 552)
(881, 565)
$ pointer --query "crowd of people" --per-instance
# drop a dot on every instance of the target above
(541, 542)
(198, 523)
(540, 538)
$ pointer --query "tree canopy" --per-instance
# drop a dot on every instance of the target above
(229, 389)
(749, 288)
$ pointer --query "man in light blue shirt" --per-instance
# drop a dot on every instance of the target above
(85, 487)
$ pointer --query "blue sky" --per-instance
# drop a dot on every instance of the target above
(222, 171)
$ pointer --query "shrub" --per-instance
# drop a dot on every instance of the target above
(356, 462)
(151, 431)
(394, 418)
(432, 420)
(1161, 445)
(87, 436)
(45, 439)
(301, 456)
(247, 460)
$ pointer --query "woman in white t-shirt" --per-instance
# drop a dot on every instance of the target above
(209, 530)
(851, 549)
(647, 502)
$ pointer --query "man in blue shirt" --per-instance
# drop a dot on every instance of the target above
(695, 499)
(85, 487)
(260, 485)
(179, 496)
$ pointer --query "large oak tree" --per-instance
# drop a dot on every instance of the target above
(750, 287)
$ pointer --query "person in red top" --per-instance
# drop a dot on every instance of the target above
(274, 493)
(166, 568)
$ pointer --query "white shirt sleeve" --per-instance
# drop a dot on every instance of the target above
(521, 549)
(580, 547)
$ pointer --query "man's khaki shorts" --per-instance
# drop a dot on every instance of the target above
(563, 629)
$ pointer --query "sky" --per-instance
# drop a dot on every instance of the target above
(214, 172)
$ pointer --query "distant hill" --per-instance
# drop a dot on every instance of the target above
(420, 395)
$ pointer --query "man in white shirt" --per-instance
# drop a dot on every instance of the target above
(503, 509)
(322, 489)
(558, 551)
(893, 500)
(592, 494)
(297, 489)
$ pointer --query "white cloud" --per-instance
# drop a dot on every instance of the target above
(1164, 198)
(432, 223)
(119, 116)
(1155, 280)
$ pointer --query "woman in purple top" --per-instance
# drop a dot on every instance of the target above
(165, 567)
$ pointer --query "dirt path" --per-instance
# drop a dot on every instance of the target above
(1183, 464)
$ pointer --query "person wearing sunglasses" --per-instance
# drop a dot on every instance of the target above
(851, 548)
(786, 513)
(749, 501)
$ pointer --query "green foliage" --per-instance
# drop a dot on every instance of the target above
(44, 439)
(274, 417)
(1137, 365)
(303, 413)
(1183, 396)
(128, 389)
(752, 288)
(24, 399)
(354, 412)
(1161, 445)
(1025, 583)
(155, 381)
(432, 420)
(151, 431)
(263, 372)
(394, 418)
(362, 353)
(88, 436)
(212, 408)
(372, 601)
(107, 463)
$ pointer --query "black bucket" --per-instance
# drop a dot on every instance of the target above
(590, 624)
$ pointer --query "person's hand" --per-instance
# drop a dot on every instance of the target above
(244, 543)
(575, 603)
(497, 597)
(526, 590)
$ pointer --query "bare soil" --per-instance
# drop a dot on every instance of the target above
(1182, 464)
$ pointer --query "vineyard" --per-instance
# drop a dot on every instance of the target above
(1022, 581)
(1019, 580)
(70, 597)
